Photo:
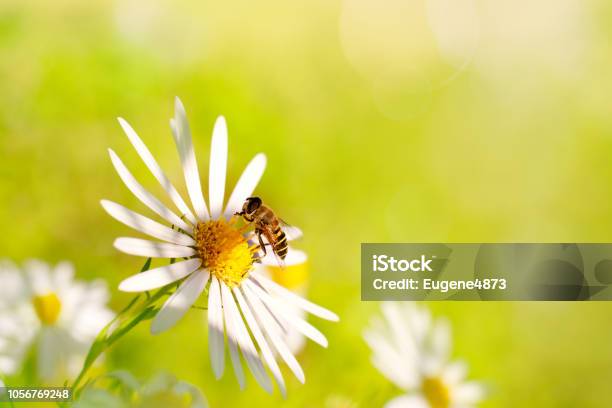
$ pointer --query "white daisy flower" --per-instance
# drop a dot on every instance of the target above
(46, 307)
(242, 303)
(18, 322)
(413, 351)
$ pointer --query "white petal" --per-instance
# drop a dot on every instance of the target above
(468, 393)
(268, 322)
(261, 341)
(63, 276)
(237, 331)
(159, 174)
(216, 341)
(158, 277)
(278, 308)
(408, 401)
(246, 344)
(246, 184)
(39, 277)
(403, 335)
(232, 337)
(441, 341)
(295, 299)
(294, 257)
(454, 373)
(49, 352)
(143, 195)
(218, 168)
(402, 371)
(419, 321)
(141, 247)
(146, 225)
(177, 305)
(182, 137)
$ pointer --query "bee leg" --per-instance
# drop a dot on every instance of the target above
(261, 243)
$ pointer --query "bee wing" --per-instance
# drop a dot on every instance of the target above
(271, 258)
(267, 234)
(281, 263)
(292, 232)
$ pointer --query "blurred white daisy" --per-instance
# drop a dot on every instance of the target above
(18, 322)
(46, 307)
(121, 389)
(413, 352)
(251, 309)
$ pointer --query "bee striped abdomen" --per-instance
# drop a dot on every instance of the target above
(280, 246)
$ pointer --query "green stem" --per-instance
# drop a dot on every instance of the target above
(120, 326)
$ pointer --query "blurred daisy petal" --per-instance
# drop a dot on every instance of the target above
(408, 401)
(468, 393)
(455, 372)
(441, 339)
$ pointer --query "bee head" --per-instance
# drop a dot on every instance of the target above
(251, 205)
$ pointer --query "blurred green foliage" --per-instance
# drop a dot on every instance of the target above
(371, 135)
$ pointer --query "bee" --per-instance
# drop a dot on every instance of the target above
(267, 225)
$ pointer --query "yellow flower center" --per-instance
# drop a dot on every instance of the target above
(436, 392)
(224, 251)
(47, 308)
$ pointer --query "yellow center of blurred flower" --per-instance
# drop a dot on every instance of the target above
(47, 308)
(291, 276)
(436, 392)
(224, 251)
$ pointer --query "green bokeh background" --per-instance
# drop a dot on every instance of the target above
(486, 125)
